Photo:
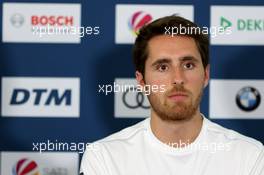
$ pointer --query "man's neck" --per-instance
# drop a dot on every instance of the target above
(176, 132)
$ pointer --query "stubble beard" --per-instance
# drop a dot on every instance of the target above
(175, 111)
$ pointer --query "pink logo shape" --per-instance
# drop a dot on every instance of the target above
(138, 20)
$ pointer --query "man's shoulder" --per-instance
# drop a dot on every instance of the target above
(232, 137)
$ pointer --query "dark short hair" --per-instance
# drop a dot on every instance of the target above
(158, 27)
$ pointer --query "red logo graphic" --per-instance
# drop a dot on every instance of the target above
(52, 20)
(138, 20)
(26, 167)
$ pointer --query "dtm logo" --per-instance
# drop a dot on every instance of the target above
(40, 97)
(53, 95)
(138, 20)
(248, 99)
(26, 167)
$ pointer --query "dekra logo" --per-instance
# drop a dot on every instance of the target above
(225, 23)
(244, 24)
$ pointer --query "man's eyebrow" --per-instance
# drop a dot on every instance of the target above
(189, 58)
(167, 60)
(161, 61)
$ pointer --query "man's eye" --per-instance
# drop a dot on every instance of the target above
(163, 68)
(188, 66)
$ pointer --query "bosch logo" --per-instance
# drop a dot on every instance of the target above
(139, 99)
(52, 20)
(17, 20)
(248, 99)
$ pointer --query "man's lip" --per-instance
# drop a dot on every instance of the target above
(178, 94)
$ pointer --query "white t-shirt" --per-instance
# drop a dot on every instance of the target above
(136, 151)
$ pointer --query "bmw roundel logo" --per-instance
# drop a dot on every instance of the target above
(248, 99)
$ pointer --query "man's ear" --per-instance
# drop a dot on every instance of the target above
(207, 75)
(140, 78)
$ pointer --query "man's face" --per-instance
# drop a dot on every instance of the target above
(174, 63)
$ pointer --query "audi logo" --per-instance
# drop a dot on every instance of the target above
(139, 99)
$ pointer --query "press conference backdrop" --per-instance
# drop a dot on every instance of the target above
(55, 86)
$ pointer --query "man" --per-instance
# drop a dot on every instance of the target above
(177, 139)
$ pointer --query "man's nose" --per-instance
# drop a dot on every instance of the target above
(178, 76)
